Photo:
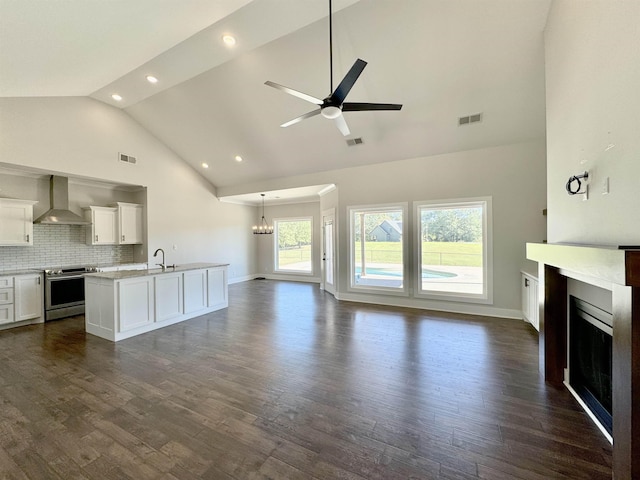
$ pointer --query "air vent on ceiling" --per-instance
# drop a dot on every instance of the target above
(127, 158)
(475, 118)
(354, 141)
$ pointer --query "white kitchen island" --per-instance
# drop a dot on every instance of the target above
(123, 304)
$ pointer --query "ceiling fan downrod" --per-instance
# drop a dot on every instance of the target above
(330, 48)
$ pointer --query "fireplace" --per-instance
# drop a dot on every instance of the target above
(590, 358)
(616, 270)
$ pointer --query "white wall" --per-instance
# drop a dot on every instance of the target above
(593, 115)
(81, 137)
(514, 175)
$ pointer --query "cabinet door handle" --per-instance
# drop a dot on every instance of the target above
(38, 280)
(96, 238)
(526, 282)
(123, 238)
(27, 237)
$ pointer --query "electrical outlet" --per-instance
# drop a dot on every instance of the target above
(605, 186)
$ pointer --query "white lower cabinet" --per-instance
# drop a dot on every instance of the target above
(6, 313)
(168, 296)
(195, 291)
(217, 287)
(529, 289)
(135, 303)
(28, 301)
(122, 304)
(21, 299)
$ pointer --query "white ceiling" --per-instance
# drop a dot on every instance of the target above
(440, 58)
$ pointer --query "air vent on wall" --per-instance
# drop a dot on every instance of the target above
(127, 158)
(475, 118)
(354, 141)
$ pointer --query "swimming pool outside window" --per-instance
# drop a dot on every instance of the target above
(377, 250)
(453, 243)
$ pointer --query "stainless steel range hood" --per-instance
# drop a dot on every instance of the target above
(59, 213)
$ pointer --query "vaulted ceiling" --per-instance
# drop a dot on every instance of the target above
(442, 59)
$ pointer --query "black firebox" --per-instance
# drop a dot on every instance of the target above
(590, 343)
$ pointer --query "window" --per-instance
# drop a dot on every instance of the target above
(454, 250)
(377, 260)
(293, 245)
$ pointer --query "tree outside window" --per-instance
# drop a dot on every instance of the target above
(293, 245)
(454, 249)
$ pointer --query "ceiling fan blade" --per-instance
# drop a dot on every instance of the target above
(295, 93)
(301, 117)
(363, 107)
(341, 123)
(348, 81)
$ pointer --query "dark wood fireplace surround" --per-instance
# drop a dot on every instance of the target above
(617, 270)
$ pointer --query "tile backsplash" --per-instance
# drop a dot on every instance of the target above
(62, 245)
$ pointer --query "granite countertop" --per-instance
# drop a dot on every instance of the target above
(104, 265)
(23, 271)
(122, 274)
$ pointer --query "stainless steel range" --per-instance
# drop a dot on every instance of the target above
(64, 291)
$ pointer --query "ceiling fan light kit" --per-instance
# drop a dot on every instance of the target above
(333, 105)
(331, 112)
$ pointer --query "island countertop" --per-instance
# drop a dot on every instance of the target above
(122, 274)
(126, 303)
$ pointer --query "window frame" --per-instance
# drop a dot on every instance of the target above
(486, 297)
(352, 287)
(276, 250)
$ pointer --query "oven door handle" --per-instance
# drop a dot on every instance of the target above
(63, 277)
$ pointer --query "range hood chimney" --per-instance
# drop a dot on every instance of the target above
(59, 213)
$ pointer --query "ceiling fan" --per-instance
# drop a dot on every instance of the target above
(332, 106)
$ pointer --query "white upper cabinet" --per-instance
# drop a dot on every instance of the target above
(130, 229)
(16, 221)
(104, 225)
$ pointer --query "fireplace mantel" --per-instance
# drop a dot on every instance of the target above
(617, 270)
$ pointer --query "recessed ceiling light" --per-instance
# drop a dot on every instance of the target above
(237, 158)
(152, 79)
(116, 97)
(205, 165)
(229, 40)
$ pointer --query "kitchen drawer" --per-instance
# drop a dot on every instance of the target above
(6, 314)
(6, 282)
(6, 296)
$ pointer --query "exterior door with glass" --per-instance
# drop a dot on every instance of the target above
(328, 250)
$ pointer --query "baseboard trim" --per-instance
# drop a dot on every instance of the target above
(419, 303)
(290, 278)
(469, 309)
(275, 276)
(245, 278)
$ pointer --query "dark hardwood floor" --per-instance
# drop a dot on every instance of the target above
(288, 383)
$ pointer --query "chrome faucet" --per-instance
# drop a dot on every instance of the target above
(162, 265)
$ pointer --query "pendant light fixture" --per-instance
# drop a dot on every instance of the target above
(263, 227)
